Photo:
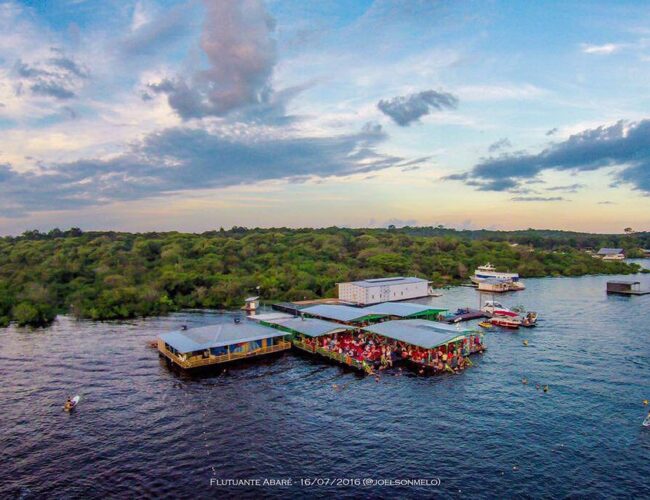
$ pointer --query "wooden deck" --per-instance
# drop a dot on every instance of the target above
(200, 361)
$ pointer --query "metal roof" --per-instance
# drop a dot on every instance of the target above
(610, 251)
(401, 309)
(222, 334)
(418, 332)
(271, 317)
(398, 280)
(312, 327)
(338, 312)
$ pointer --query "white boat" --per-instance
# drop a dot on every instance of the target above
(494, 308)
(488, 271)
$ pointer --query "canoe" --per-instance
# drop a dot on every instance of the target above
(74, 402)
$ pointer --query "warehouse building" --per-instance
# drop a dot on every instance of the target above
(374, 291)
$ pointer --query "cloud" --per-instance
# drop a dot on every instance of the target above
(571, 188)
(152, 33)
(405, 110)
(604, 49)
(552, 131)
(52, 89)
(178, 159)
(623, 144)
(241, 54)
(499, 145)
(606, 202)
(538, 198)
(70, 66)
(57, 77)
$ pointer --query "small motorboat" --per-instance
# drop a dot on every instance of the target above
(495, 308)
(72, 404)
(646, 421)
(529, 320)
(464, 314)
(506, 321)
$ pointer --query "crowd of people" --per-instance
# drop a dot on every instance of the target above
(378, 353)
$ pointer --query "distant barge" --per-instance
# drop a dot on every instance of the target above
(626, 288)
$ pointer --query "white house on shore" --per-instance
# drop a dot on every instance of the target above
(373, 291)
(611, 253)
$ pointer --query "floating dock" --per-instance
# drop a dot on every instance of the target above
(626, 288)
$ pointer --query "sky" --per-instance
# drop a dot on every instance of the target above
(192, 115)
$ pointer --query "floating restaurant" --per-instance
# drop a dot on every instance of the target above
(221, 343)
(365, 338)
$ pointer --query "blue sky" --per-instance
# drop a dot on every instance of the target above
(190, 115)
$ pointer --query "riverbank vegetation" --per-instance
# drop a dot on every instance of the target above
(111, 275)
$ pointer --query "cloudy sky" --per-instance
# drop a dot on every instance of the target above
(191, 115)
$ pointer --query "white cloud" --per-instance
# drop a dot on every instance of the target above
(605, 49)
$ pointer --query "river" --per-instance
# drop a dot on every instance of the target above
(144, 430)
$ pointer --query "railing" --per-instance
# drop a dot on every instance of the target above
(346, 360)
(198, 361)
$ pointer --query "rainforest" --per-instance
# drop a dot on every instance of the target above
(118, 275)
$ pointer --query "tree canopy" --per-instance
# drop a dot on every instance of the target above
(115, 275)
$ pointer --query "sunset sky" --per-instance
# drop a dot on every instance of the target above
(191, 115)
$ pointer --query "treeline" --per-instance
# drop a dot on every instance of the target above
(111, 275)
(548, 239)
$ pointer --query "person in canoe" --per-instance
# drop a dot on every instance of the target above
(71, 403)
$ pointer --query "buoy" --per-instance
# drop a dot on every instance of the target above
(546, 388)
(645, 402)
(524, 380)
(526, 343)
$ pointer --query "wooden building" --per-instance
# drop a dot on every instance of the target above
(221, 343)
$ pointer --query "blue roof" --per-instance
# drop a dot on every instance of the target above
(222, 334)
(336, 312)
(398, 280)
(401, 309)
(419, 332)
(312, 327)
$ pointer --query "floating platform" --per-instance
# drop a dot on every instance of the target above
(221, 343)
(626, 288)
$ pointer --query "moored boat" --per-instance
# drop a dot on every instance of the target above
(506, 321)
(488, 271)
(464, 314)
(492, 307)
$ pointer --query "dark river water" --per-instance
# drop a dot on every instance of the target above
(142, 430)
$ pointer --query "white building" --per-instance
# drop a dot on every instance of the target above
(383, 290)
